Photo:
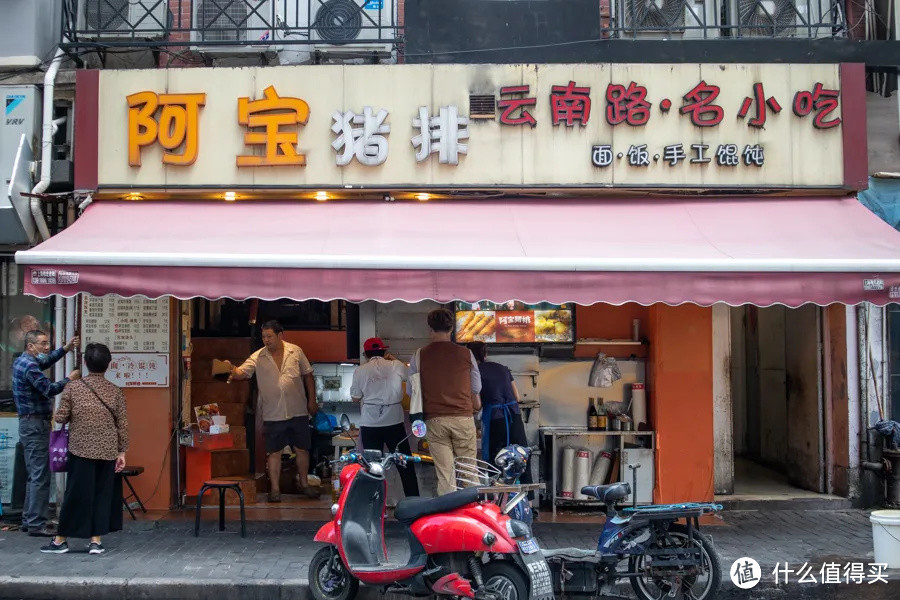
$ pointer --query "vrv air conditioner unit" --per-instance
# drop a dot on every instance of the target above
(783, 18)
(335, 24)
(237, 21)
(122, 19)
(669, 19)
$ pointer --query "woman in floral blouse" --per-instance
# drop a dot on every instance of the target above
(94, 408)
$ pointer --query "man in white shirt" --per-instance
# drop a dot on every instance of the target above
(378, 385)
(287, 398)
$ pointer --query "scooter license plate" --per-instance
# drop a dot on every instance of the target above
(529, 546)
(538, 570)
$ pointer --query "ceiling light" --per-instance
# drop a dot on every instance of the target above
(134, 196)
(423, 197)
(230, 196)
(321, 196)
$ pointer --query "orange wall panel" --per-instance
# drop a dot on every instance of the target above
(149, 429)
(320, 346)
(681, 401)
(606, 321)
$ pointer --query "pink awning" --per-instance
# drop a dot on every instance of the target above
(701, 250)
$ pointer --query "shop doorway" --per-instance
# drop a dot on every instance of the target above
(776, 389)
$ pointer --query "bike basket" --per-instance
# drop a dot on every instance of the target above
(472, 472)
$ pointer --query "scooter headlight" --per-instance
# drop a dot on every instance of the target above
(376, 469)
(517, 529)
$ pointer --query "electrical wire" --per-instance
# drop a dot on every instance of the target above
(162, 466)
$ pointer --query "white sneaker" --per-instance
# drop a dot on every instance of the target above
(96, 548)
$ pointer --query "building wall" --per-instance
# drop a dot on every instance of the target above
(150, 427)
(837, 400)
(884, 143)
(681, 401)
(29, 31)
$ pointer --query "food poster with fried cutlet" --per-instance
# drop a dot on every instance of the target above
(553, 325)
(508, 326)
(515, 326)
(476, 326)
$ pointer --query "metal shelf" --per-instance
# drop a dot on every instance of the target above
(555, 433)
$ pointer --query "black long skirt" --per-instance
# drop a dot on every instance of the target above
(92, 505)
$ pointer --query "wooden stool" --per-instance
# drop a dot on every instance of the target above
(127, 472)
(222, 485)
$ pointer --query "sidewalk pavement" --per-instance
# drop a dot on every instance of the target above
(162, 559)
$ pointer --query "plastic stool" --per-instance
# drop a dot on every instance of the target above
(221, 485)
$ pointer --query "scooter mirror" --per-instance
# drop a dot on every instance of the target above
(419, 429)
(345, 422)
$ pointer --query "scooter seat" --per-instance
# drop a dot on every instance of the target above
(608, 494)
(569, 553)
(410, 509)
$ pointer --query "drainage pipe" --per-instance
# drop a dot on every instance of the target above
(48, 127)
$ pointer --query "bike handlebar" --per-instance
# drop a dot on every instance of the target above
(386, 460)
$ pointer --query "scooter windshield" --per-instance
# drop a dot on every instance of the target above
(361, 525)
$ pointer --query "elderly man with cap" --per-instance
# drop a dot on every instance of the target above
(378, 385)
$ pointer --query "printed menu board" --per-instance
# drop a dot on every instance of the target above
(126, 324)
(513, 322)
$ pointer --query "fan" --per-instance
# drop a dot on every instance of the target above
(222, 20)
(338, 21)
(106, 15)
(658, 15)
(767, 18)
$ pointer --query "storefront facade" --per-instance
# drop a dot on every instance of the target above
(656, 193)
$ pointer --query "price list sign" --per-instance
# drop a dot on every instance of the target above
(126, 324)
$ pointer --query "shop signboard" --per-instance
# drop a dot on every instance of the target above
(128, 325)
(513, 323)
(139, 370)
(478, 126)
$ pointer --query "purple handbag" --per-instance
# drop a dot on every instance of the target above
(59, 450)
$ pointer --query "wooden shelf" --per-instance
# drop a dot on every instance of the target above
(599, 342)
(574, 432)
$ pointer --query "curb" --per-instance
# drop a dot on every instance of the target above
(798, 591)
(116, 588)
(148, 588)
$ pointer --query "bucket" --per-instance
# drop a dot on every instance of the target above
(886, 537)
(567, 490)
(582, 472)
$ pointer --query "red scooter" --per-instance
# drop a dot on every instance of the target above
(460, 543)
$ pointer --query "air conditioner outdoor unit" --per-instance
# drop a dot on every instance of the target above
(670, 19)
(118, 19)
(783, 18)
(237, 21)
(334, 24)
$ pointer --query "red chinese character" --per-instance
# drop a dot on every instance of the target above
(699, 103)
(510, 105)
(761, 103)
(627, 105)
(821, 100)
(570, 104)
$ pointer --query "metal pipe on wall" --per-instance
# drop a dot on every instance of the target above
(853, 392)
(70, 332)
(863, 366)
(59, 316)
(37, 211)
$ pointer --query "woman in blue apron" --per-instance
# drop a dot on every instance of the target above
(501, 419)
